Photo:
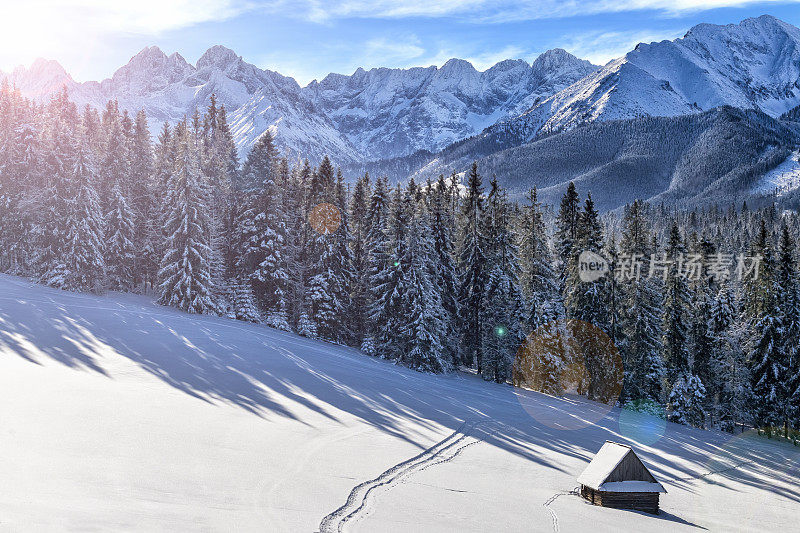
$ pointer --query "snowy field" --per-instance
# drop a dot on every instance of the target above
(117, 414)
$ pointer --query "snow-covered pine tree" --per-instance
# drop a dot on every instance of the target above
(567, 227)
(700, 338)
(145, 204)
(17, 164)
(265, 233)
(343, 264)
(728, 362)
(215, 154)
(120, 233)
(328, 295)
(164, 167)
(421, 326)
(185, 275)
(538, 279)
(115, 165)
(472, 270)
(585, 303)
(641, 317)
(297, 228)
(389, 310)
(359, 205)
(84, 252)
(611, 291)
(442, 223)
(767, 362)
(380, 269)
(52, 199)
(787, 278)
(502, 308)
(241, 299)
(686, 401)
(307, 255)
(675, 340)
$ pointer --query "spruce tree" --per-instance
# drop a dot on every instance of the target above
(120, 236)
(421, 325)
(185, 275)
(380, 270)
(502, 309)
(728, 362)
(359, 205)
(442, 224)
(768, 368)
(675, 342)
(472, 271)
(641, 303)
(144, 202)
(538, 280)
(84, 246)
(787, 278)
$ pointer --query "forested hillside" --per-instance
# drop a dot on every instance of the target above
(711, 157)
(437, 275)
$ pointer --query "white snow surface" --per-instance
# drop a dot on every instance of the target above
(117, 414)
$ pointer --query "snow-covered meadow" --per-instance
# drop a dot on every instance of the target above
(117, 414)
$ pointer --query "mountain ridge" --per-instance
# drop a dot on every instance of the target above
(436, 115)
(439, 104)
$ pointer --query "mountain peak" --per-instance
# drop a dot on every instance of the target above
(552, 59)
(150, 53)
(41, 80)
(46, 67)
(764, 23)
(456, 65)
(218, 56)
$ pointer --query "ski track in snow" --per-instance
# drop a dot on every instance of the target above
(358, 501)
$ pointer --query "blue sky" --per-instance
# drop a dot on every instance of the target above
(307, 39)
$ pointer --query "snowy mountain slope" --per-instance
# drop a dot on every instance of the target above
(394, 112)
(751, 65)
(368, 115)
(119, 414)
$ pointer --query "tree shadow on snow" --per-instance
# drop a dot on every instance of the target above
(276, 374)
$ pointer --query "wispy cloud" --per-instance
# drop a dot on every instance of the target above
(386, 50)
(600, 47)
(500, 11)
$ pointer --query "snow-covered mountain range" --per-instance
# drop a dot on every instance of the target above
(368, 115)
(751, 65)
(387, 113)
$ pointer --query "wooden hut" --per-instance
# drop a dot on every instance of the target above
(617, 478)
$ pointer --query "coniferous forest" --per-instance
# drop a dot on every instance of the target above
(437, 276)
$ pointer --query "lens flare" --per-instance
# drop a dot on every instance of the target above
(643, 422)
(325, 218)
(575, 362)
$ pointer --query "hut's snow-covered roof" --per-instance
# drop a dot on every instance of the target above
(605, 462)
